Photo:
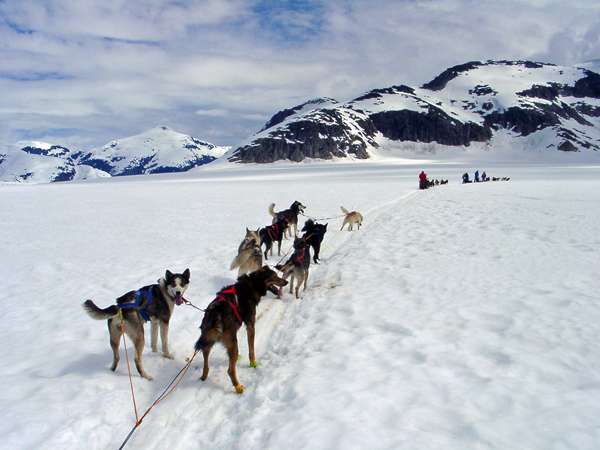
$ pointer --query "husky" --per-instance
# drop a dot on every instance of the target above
(290, 214)
(273, 233)
(224, 316)
(313, 235)
(351, 219)
(249, 257)
(297, 266)
(154, 303)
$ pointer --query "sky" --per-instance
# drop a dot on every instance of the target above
(81, 74)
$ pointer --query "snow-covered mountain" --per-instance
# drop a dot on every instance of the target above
(40, 162)
(155, 151)
(305, 107)
(159, 150)
(527, 104)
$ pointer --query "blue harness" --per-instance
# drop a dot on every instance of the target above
(137, 303)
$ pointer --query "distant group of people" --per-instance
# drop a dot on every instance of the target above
(484, 177)
(425, 183)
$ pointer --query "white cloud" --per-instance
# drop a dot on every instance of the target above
(216, 69)
(213, 112)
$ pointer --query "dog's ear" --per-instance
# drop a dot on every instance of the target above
(168, 274)
(186, 274)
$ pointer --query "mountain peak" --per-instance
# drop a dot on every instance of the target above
(157, 150)
(471, 103)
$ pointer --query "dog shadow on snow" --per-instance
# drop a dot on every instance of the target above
(92, 363)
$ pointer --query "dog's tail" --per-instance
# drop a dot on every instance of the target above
(206, 340)
(272, 210)
(241, 258)
(98, 313)
(344, 210)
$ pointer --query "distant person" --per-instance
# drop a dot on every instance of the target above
(477, 176)
(422, 180)
(465, 178)
(484, 177)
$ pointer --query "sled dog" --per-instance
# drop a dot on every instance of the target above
(313, 235)
(249, 257)
(297, 266)
(224, 316)
(154, 303)
(273, 233)
(351, 219)
(290, 214)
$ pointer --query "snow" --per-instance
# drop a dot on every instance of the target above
(461, 317)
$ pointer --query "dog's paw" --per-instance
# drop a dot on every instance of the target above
(239, 389)
(253, 364)
(169, 355)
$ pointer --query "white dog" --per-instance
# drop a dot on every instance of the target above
(351, 219)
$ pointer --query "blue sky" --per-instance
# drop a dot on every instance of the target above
(82, 73)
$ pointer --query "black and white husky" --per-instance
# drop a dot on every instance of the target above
(154, 303)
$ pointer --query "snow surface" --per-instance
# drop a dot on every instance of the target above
(461, 317)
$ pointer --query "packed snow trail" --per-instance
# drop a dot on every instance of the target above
(465, 316)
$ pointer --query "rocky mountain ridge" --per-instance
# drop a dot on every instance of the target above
(466, 104)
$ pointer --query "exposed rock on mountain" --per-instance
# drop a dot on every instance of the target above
(323, 133)
(465, 104)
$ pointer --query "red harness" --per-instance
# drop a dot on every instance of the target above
(300, 258)
(273, 230)
(234, 304)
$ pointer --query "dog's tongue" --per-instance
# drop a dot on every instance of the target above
(275, 290)
(178, 300)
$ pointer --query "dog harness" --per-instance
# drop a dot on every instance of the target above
(137, 303)
(300, 258)
(234, 304)
(273, 230)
